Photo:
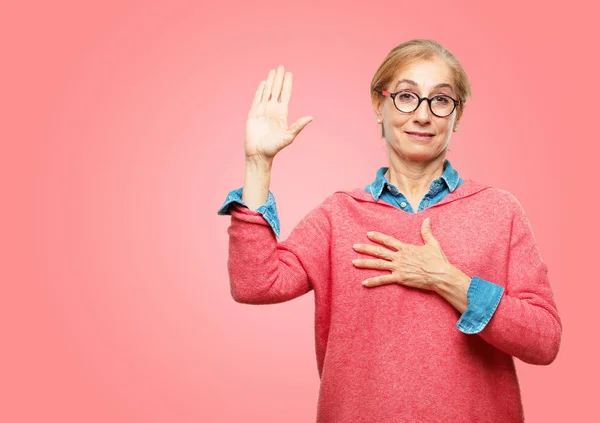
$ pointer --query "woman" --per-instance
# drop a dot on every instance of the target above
(426, 285)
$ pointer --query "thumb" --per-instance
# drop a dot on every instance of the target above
(299, 125)
(427, 233)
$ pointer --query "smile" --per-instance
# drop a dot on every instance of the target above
(419, 136)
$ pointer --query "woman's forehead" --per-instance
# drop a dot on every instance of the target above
(430, 74)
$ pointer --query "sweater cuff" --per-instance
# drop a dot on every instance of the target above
(484, 298)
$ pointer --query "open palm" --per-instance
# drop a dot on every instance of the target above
(267, 130)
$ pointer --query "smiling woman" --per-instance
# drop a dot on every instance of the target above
(423, 323)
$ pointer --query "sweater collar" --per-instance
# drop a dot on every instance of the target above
(466, 189)
(450, 177)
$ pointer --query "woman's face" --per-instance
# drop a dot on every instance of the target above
(421, 77)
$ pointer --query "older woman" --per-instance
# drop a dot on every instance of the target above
(426, 285)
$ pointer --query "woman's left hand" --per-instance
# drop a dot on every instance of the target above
(416, 266)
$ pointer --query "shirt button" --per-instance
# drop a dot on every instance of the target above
(403, 204)
(389, 187)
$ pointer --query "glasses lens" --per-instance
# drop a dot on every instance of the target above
(406, 101)
(442, 105)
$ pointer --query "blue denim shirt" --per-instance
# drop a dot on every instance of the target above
(483, 296)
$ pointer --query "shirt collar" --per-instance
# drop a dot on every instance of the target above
(450, 177)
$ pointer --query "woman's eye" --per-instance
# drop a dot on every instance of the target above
(440, 99)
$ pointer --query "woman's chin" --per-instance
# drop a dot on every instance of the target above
(415, 151)
(418, 154)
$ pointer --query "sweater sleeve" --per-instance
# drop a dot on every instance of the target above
(265, 271)
(526, 323)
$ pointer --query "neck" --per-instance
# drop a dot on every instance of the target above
(413, 178)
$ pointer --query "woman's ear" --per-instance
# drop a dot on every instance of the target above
(455, 128)
(377, 107)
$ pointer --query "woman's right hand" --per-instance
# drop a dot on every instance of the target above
(267, 131)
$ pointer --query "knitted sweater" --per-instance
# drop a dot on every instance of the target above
(393, 353)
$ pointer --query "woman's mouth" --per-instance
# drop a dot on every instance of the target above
(420, 136)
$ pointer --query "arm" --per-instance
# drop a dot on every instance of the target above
(525, 323)
(261, 270)
(264, 271)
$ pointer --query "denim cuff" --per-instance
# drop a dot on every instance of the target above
(484, 298)
(268, 209)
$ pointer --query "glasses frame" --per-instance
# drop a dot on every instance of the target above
(393, 97)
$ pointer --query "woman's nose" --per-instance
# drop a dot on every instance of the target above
(423, 113)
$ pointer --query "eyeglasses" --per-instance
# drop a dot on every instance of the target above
(406, 101)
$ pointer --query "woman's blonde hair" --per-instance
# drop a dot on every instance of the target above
(414, 50)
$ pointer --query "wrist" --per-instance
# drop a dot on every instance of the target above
(259, 163)
(454, 288)
(453, 279)
(256, 182)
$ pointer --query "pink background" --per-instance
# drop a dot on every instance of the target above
(123, 127)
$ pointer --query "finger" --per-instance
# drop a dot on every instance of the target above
(258, 93)
(268, 86)
(445, 257)
(373, 264)
(287, 89)
(385, 240)
(374, 250)
(277, 83)
(299, 125)
(427, 233)
(380, 280)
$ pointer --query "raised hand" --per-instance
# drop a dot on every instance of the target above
(267, 130)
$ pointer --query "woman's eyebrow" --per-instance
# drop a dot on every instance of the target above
(411, 82)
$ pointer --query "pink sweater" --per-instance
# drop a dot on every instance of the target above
(393, 353)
